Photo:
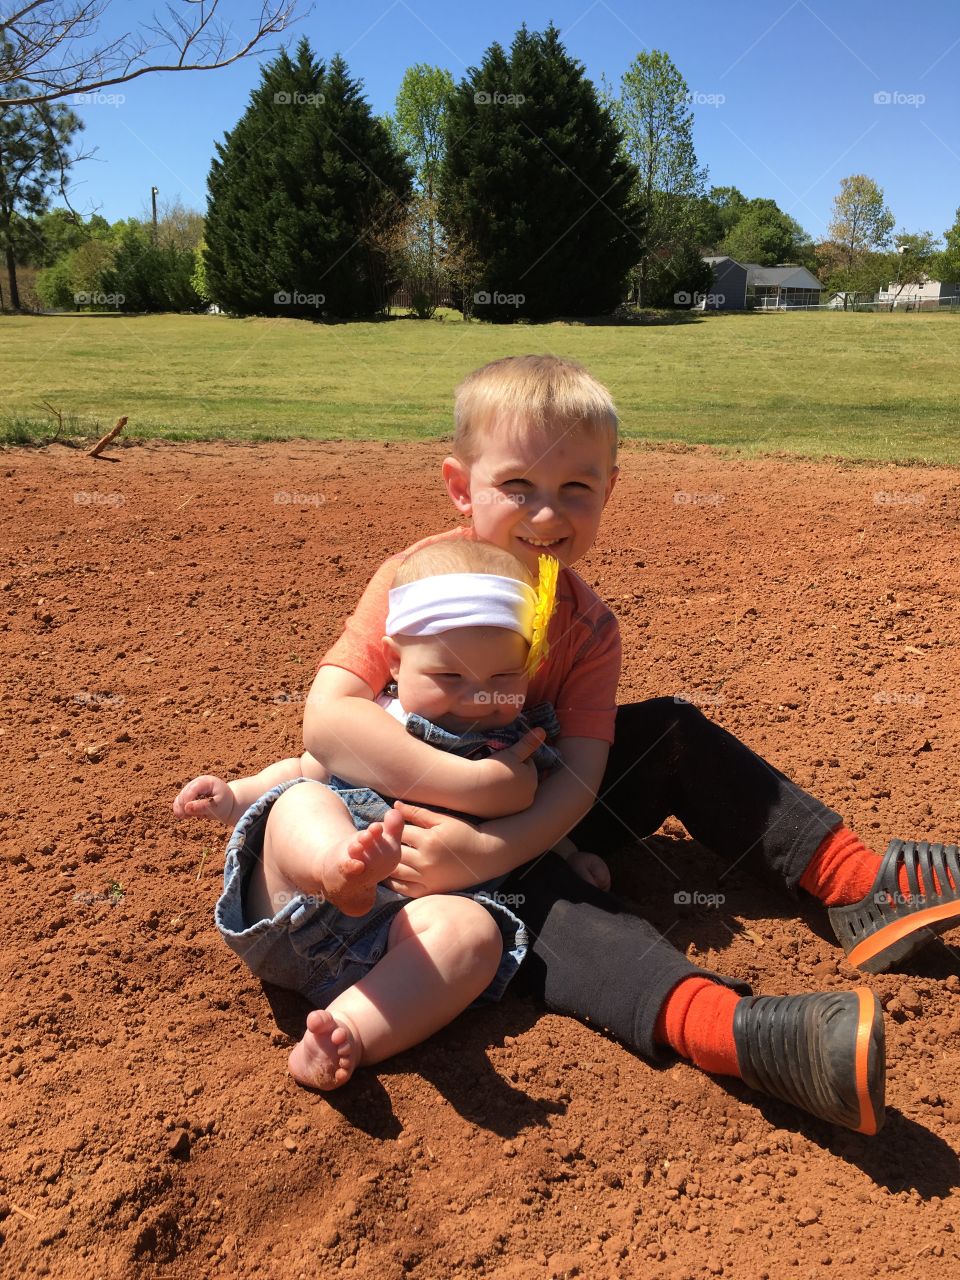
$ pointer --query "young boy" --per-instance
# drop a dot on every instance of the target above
(301, 903)
(533, 466)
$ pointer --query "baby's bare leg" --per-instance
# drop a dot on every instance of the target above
(442, 953)
(310, 845)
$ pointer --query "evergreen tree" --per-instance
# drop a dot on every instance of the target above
(304, 194)
(534, 195)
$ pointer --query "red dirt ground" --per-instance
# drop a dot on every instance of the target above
(161, 616)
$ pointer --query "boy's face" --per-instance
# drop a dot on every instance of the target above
(471, 677)
(535, 492)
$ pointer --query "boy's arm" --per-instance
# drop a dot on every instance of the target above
(359, 740)
(441, 853)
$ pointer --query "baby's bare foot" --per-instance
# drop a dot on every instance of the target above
(327, 1055)
(353, 870)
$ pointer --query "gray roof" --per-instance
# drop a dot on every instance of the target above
(795, 277)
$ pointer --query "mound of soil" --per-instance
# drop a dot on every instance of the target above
(161, 614)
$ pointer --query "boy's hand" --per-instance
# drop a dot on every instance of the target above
(205, 797)
(439, 853)
(513, 774)
(590, 867)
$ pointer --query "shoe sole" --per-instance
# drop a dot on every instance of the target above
(869, 1011)
(901, 938)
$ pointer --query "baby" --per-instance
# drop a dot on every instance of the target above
(305, 903)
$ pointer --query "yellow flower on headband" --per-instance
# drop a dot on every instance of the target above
(546, 602)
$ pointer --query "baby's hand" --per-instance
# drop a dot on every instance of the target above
(590, 867)
(514, 773)
(205, 797)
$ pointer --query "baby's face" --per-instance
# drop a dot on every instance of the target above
(470, 677)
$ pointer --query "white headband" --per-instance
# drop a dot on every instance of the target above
(448, 601)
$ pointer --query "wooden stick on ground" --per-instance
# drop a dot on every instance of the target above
(105, 440)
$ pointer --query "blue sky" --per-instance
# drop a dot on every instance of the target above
(785, 91)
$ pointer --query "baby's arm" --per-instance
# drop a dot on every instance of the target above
(226, 802)
(359, 740)
(588, 866)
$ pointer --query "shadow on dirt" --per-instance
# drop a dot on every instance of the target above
(455, 1062)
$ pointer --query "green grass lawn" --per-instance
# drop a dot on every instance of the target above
(880, 387)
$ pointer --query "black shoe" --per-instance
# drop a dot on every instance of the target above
(823, 1053)
(886, 926)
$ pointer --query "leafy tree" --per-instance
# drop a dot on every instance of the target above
(144, 276)
(304, 194)
(716, 214)
(76, 274)
(912, 260)
(52, 48)
(34, 142)
(535, 197)
(57, 233)
(763, 233)
(418, 129)
(861, 221)
(653, 111)
(946, 265)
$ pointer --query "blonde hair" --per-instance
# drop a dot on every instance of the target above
(461, 555)
(545, 392)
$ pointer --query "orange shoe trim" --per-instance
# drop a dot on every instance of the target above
(868, 1121)
(898, 929)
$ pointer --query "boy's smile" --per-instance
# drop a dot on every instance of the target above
(534, 491)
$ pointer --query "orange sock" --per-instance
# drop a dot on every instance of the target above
(843, 870)
(696, 1021)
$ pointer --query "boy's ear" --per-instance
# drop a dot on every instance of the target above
(391, 652)
(612, 479)
(456, 476)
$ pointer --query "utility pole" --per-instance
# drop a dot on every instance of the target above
(153, 197)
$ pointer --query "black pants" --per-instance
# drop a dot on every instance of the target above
(593, 958)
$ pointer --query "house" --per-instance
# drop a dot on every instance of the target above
(925, 295)
(740, 285)
(776, 288)
(728, 291)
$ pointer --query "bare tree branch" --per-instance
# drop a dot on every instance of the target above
(49, 49)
